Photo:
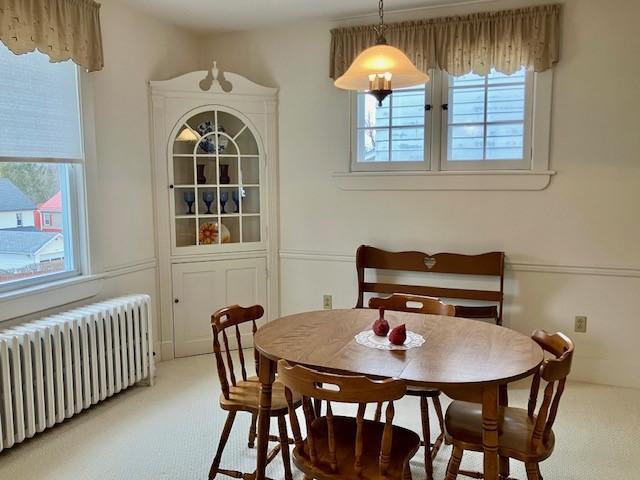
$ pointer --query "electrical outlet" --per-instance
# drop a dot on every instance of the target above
(327, 302)
(581, 324)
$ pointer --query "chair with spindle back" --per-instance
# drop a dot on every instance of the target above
(523, 435)
(431, 306)
(486, 265)
(242, 395)
(347, 448)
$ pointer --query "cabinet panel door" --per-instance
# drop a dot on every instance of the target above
(202, 288)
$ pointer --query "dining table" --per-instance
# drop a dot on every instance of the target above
(466, 359)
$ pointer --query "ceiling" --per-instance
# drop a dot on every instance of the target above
(216, 15)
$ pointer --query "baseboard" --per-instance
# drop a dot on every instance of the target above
(166, 350)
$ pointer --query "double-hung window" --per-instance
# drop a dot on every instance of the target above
(41, 156)
(392, 136)
(469, 123)
(487, 125)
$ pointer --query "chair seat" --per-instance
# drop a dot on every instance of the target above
(405, 444)
(463, 422)
(245, 396)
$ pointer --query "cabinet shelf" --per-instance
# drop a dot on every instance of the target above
(214, 185)
(213, 155)
(214, 215)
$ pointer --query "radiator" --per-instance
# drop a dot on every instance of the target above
(55, 367)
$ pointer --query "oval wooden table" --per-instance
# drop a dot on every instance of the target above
(466, 359)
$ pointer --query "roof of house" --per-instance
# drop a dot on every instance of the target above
(24, 242)
(54, 204)
(12, 199)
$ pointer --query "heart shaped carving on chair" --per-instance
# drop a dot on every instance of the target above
(429, 262)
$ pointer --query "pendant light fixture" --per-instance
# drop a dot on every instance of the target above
(380, 68)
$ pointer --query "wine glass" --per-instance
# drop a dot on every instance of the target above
(224, 198)
(189, 198)
(236, 199)
(207, 198)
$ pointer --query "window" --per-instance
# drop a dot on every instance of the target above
(486, 122)
(466, 123)
(392, 135)
(41, 154)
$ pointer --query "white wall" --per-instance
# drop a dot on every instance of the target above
(573, 247)
(137, 49)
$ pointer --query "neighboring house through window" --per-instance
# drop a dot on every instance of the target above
(41, 156)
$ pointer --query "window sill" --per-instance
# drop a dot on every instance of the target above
(34, 299)
(504, 180)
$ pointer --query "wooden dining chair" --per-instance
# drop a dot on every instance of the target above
(347, 448)
(523, 435)
(431, 306)
(242, 395)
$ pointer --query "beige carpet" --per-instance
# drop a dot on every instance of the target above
(170, 431)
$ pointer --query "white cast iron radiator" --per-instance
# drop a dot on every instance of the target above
(55, 367)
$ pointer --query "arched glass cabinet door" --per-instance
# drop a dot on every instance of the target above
(216, 175)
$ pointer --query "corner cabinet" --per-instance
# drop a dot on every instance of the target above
(215, 173)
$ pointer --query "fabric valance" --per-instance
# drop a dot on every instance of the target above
(504, 40)
(62, 29)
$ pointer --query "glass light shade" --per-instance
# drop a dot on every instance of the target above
(381, 60)
(187, 135)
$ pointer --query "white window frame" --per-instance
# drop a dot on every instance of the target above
(389, 165)
(46, 219)
(432, 176)
(474, 165)
(19, 219)
(78, 242)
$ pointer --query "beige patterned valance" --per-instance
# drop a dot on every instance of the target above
(63, 29)
(475, 43)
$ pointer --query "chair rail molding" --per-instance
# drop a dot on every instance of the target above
(506, 180)
(634, 272)
(131, 267)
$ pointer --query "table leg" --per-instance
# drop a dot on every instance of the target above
(490, 431)
(503, 401)
(267, 375)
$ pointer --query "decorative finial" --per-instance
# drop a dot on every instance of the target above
(215, 71)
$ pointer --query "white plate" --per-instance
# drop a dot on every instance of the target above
(371, 340)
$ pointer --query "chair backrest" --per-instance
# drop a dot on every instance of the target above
(344, 389)
(231, 318)
(403, 303)
(554, 371)
(487, 264)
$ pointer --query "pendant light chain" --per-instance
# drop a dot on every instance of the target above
(381, 27)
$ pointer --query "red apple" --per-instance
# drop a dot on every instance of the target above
(398, 335)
